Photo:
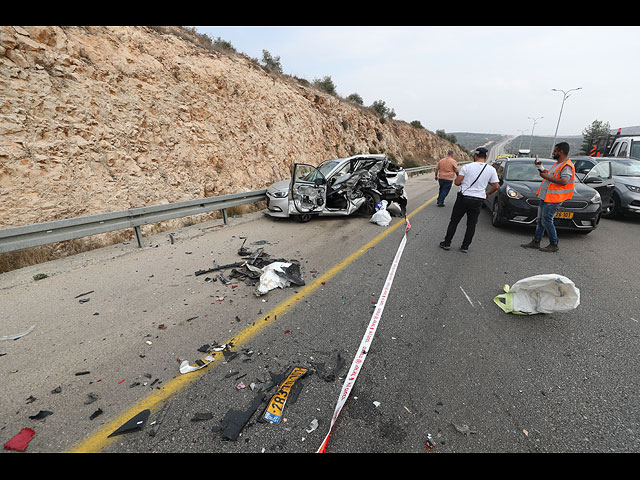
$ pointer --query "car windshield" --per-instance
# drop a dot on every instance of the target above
(626, 168)
(326, 166)
(525, 171)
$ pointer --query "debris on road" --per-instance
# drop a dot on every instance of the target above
(381, 217)
(40, 415)
(546, 293)
(133, 425)
(235, 420)
(20, 441)
(275, 407)
(464, 429)
(18, 335)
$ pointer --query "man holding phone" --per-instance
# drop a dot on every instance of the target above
(557, 186)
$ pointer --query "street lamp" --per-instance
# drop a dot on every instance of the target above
(521, 137)
(534, 126)
(565, 96)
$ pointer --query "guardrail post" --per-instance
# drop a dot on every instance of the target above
(224, 215)
(139, 237)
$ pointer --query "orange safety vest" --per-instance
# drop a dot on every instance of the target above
(557, 193)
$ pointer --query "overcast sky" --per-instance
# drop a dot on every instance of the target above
(466, 79)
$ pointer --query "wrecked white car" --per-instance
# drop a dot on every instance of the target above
(338, 187)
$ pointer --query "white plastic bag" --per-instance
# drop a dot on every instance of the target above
(382, 217)
(546, 293)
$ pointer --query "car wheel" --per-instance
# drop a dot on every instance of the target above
(496, 221)
(371, 199)
(304, 218)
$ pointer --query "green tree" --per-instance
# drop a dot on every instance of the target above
(381, 109)
(355, 98)
(270, 62)
(325, 84)
(597, 128)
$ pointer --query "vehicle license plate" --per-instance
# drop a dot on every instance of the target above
(273, 412)
(564, 214)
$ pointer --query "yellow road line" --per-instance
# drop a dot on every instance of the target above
(98, 440)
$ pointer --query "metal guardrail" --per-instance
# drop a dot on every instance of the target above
(27, 236)
(18, 238)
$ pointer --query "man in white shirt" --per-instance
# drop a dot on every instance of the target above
(472, 180)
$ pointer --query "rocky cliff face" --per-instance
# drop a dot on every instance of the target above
(96, 119)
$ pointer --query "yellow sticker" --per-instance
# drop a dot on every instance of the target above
(273, 412)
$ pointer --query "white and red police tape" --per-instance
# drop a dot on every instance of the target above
(360, 357)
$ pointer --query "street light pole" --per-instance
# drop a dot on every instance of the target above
(565, 96)
(534, 126)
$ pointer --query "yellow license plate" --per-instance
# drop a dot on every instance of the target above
(564, 214)
(273, 412)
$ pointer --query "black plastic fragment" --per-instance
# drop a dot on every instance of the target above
(135, 424)
(235, 420)
(40, 415)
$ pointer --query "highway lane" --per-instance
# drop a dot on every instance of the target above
(445, 361)
(444, 354)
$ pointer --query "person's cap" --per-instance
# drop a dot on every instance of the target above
(481, 151)
(450, 152)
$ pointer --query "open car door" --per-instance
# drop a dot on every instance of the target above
(599, 177)
(308, 189)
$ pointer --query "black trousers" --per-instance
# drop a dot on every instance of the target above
(469, 206)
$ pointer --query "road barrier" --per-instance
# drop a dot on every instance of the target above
(27, 236)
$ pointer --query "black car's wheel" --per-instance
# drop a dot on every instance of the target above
(496, 219)
(614, 211)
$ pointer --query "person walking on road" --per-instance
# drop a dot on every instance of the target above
(557, 186)
(446, 171)
(472, 180)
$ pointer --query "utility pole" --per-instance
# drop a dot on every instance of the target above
(565, 96)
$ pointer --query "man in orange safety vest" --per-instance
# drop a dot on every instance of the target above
(557, 186)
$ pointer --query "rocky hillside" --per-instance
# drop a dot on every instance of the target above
(96, 119)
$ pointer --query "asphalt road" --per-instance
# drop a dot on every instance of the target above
(445, 360)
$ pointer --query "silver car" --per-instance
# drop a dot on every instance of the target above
(626, 175)
(338, 187)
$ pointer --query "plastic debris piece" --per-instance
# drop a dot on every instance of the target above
(186, 367)
(83, 294)
(235, 420)
(279, 275)
(464, 429)
(18, 335)
(95, 414)
(381, 217)
(40, 415)
(133, 425)
(312, 426)
(20, 441)
(92, 398)
(199, 417)
(40, 276)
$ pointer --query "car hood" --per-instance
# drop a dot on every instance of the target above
(281, 186)
(529, 189)
(627, 180)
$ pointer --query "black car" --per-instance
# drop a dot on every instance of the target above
(625, 173)
(516, 201)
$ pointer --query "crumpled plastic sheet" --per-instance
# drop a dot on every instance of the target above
(382, 217)
(278, 275)
(20, 441)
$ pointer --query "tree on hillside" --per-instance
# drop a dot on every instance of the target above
(355, 98)
(325, 84)
(270, 62)
(449, 137)
(381, 109)
(596, 128)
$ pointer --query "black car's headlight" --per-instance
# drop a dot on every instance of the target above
(633, 188)
(596, 198)
(511, 193)
(279, 194)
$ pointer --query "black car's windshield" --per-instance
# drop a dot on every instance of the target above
(525, 171)
(626, 168)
